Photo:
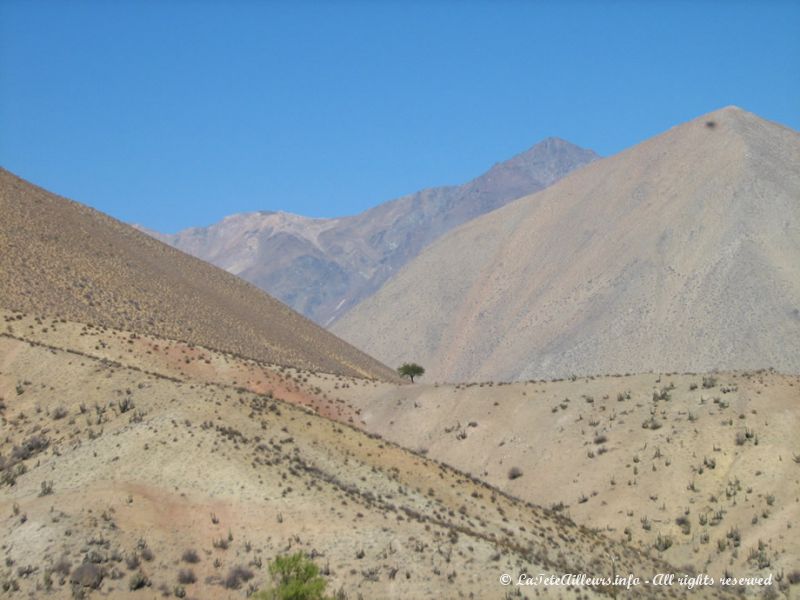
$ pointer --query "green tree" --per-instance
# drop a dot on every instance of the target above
(411, 370)
(294, 577)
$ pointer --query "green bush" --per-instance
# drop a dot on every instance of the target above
(294, 577)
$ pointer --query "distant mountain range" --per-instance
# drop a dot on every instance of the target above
(679, 254)
(324, 267)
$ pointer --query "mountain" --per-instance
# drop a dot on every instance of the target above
(679, 254)
(324, 267)
(62, 258)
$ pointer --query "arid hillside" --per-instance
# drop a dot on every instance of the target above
(679, 254)
(324, 267)
(123, 482)
(704, 470)
(62, 258)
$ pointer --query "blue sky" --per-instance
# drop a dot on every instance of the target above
(172, 114)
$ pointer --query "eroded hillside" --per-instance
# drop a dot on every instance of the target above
(703, 470)
(119, 479)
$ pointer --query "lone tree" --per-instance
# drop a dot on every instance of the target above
(411, 370)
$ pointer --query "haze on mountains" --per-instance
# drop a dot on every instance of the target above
(324, 267)
(679, 254)
(63, 258)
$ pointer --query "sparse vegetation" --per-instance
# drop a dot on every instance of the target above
(454, 512)
(662, 543)
(138, 581)
(190, 556)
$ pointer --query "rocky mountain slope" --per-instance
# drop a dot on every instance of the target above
(323, 267)
(62, 258)
(125, 482)
(679, 254)
(704, 470)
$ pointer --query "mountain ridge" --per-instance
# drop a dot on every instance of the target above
(323, 267)
(64, 258)
(666, 235)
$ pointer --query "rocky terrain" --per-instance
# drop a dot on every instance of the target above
(127, 474)
(679, 254)
(703, 469)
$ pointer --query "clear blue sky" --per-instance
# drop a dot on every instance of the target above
(172, 114)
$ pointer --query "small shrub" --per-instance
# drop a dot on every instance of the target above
(87, 575)
(684, 524)
(186, 576)
(220, 544)
(662, 394)
(190, 556)
(662, 543)
(62, 566)
(30, 447)
(132, 561)
(138, 581)
(236, 577)
(651, 423)
(47, 488)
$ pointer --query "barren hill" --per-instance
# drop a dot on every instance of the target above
(679, 254)
(62, 258)
(122, 482)
(701, 469)
(323, 267)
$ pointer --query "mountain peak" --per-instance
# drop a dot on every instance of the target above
(735, 118)
(553, 144)
(687, 240)
(323, 267)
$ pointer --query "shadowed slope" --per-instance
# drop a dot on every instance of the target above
(60, 257)
(680, 254)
